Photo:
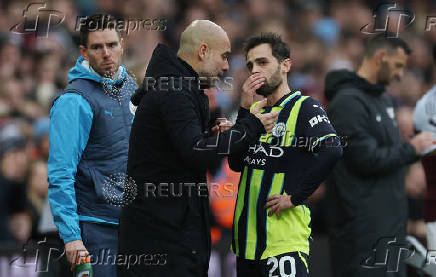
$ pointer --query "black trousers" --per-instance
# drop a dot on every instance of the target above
(101, 241)
(156, 248)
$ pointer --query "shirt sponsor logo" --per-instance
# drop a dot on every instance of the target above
(318, 119)
(271, 151)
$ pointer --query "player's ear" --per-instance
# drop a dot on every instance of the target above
(286, 65)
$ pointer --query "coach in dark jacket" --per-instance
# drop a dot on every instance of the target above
(170, 150)
(365, 192)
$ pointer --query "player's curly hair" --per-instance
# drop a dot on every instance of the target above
(280, 49)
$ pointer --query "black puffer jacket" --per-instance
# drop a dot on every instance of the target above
(366, 194)
(170, 150)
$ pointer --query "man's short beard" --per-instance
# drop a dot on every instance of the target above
(269, 87)
(207, 80)
(383, 75)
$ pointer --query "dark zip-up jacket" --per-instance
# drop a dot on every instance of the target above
(365, 192)
(169, 153)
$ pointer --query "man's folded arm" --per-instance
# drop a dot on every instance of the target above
(361, 151)
(196, 149)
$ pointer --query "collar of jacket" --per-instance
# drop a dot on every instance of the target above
(340, 79)
(369, 88)
(165, 63)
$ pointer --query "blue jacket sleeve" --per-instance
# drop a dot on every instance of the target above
(70, 124)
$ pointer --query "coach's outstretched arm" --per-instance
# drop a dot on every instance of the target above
(198, 150)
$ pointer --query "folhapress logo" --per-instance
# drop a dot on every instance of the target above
(389, 17)
(38, 19)
(388, 253)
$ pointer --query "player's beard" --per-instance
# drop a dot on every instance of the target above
(271, 85)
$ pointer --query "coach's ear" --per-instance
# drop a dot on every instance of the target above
(203, 51)
(286, 65)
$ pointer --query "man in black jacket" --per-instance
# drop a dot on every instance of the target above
(367, 199)
(165, 231)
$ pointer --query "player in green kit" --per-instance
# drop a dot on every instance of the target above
(271, 229)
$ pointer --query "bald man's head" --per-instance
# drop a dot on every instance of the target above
(200, 31)
(205, 46)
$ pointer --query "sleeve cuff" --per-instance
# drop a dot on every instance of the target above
(411, 155)
(243, 112)
(296, 200)
(71, 238)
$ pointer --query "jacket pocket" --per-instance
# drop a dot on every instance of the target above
(97, 181)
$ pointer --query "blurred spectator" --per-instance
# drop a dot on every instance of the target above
(40, 131)
(15, 226)
(37, 192)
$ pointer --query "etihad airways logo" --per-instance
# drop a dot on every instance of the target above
(271, 151)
